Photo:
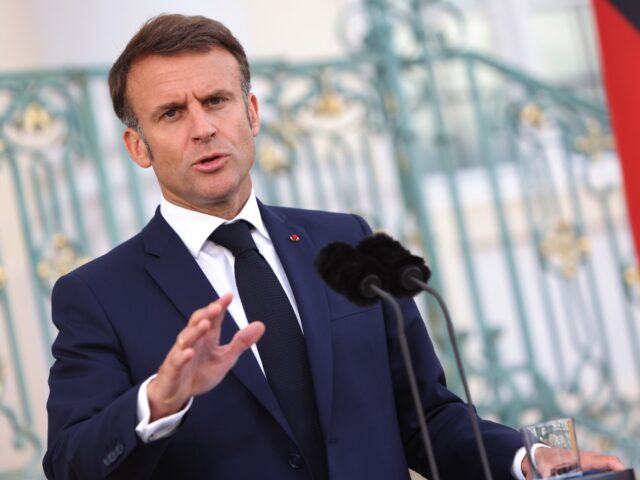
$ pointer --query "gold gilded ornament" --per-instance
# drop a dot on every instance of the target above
(35, 119)
(271, 159)
(532, 114)
(287, 129)
(564, 249)
(595, 143)
(64, 258)
(632, 276)
(330, 104)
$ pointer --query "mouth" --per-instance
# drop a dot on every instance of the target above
(209, 158)
(209, 163)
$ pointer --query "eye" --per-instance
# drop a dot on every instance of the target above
(170, 113)
(215, 100)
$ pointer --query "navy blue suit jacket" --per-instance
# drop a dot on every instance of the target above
(119, 315)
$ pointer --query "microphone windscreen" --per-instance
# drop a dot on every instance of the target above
(400, 262)
(344, 269)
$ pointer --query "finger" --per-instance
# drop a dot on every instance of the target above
(245, 338)
(592, 461)
(221, 304)
(192, 333)
(213, 314)
(216, 310)
(213, 310)
(176, 361)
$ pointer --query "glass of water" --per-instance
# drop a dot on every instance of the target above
(552, 448)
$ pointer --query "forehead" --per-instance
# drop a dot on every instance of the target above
(191, 72)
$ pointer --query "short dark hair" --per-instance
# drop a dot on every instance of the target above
(171, 34)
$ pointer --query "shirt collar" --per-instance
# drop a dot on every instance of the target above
(194, 228)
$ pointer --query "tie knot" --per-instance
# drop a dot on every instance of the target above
(235, 237)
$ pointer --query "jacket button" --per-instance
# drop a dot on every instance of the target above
(295, 461)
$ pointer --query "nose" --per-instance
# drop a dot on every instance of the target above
(202, 124)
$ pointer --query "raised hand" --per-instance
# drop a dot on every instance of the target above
(197, 362)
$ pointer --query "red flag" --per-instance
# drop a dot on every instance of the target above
(619, 28)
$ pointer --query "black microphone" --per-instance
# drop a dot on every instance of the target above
(363, 280)
(350, 273)
(402, 267)
(410, 276)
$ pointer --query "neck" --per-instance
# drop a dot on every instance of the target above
(226, 209)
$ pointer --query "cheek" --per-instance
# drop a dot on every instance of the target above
(170, 155)
(248, 155)
(247, 142)
(172, 141)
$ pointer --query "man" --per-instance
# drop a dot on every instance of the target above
(156, 376)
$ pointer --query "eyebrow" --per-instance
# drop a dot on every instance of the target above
(160, 109)
(219, 92)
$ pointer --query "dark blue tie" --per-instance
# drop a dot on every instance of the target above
(282, 347)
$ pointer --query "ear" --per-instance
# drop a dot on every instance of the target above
(136, 147)
(254, 117)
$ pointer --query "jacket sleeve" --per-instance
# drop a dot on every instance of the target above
(92, 399)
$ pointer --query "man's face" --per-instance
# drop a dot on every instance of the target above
(198, 126)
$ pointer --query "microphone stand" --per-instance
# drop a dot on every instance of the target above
(454, 344)
(404, 347)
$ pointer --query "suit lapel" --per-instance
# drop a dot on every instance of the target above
(297, 258)
(181, 279)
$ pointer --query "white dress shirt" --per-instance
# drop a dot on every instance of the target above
(217, 263)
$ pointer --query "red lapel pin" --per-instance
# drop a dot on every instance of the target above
(294, 238)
